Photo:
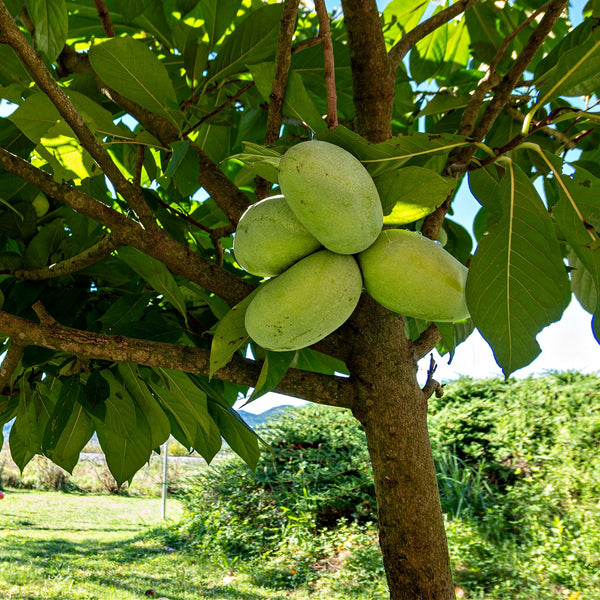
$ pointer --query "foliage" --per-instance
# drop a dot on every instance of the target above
(518, 475)
(316, 475)
(150, 127)
(206, 75)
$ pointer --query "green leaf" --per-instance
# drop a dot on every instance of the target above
(411, 193)
(297, 103)
(483, 22)
(577, 215)
(129, 67)
(399, 17)
(274, 367)
(127, 309)
(517, 282)
(44, 244)
(576, 67)
(12, 69)
(254, 40)
(238, 435)
(260, 160)
(26, 432)
(65, 154)
(157, 276)
(69, 428)
(190, 397)
(130, 9)
(51, 23)
(427, 56)
(184, 168)
(188, 406)
(582, 283)
(396, 151)
(230, 335)
(124, 435)
(69, 392)
(35, 116)
(312, 360)
(160, 428)
(215, 16)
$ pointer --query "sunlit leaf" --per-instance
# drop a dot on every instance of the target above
(129, 67)
(253, 41)
(517, 282)
(411, 193)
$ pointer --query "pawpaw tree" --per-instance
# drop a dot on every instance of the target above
(136, 133)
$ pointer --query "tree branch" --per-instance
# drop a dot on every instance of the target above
(105, 18)
(65, 107)
(179, 259)
(373, 75)
(283, 60)
(429, 339)
(431, 385)
(328, 62)
(230, 199)
(491, 78)
(504, 90)
(325, 389)
(408, 41)
(88, 257)
(10, 361)
(458, 161)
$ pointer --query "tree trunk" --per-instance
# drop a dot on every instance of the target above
(393, 410)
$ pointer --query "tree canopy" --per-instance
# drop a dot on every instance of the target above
(135, 135)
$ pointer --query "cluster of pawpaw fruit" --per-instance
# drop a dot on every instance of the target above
(322, 241)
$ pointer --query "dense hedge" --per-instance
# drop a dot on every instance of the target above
(519, 474)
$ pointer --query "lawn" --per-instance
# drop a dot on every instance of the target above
(86, 547)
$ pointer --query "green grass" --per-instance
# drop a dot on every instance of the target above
(98, 547)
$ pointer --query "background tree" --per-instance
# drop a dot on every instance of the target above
(149, 127)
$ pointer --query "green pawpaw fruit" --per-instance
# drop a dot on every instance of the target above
(305, 303)
(414, 276)
(269, 238)
(332, 195)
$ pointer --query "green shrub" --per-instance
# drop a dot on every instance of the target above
(316, 474)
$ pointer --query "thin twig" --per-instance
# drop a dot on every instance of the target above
(219, 108)
(329, 63)
(104, 15)
(408, 41)
(139, 163)
(491, 78)
(283, 61)
(90, 256)
(10, 361)
(431, 385)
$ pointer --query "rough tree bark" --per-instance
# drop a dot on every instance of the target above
(388, 400)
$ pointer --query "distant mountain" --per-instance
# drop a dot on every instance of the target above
(254, 420)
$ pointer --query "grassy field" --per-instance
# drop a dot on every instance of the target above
(86, 547)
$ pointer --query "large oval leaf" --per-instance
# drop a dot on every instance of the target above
(517, 282)
(130, 68)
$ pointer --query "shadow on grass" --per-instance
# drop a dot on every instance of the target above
(133, 565)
